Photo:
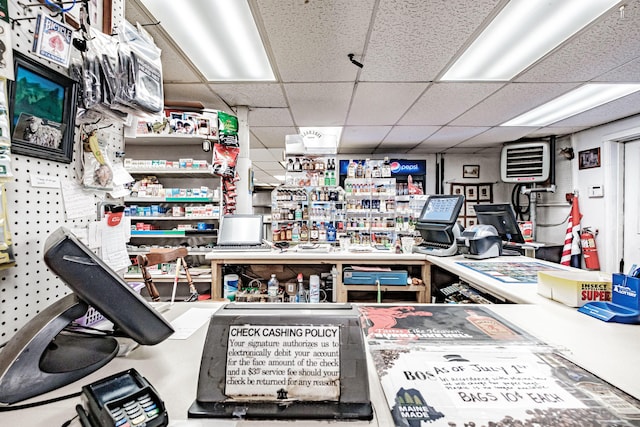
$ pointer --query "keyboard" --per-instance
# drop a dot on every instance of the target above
(241, 248)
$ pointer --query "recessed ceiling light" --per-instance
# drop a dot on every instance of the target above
(523, 32)
(220, 37)
(577, 101)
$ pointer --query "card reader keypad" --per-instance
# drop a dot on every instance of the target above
(135, 412)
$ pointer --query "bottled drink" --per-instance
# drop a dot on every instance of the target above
(297, 166)
(304, 232)
(322, 232)
(295, 232)
(351, 169)
(301, 295)
(298, 213)
(386, 168)
(273, 285)
(315, 233)
(359, 170)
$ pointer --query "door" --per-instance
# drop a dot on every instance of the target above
(631, 224)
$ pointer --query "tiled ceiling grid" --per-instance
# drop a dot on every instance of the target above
(33, 213)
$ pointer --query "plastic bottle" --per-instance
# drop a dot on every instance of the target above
(273, 286)
(301, 295)
(314, 288)
(295, 232)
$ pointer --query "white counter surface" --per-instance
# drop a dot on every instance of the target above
(608, 350)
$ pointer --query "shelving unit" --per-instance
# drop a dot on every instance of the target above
(371, 210)
(177, 211)
(310, 206)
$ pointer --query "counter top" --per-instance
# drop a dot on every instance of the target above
(607, 350)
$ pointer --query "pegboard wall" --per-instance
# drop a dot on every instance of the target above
(34, 212)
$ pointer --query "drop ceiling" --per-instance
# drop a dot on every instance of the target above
(396, 104)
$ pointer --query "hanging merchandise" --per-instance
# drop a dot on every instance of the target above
(139, 70)
(98, 171)
(224, 159)
(6, 247)
(227, 149)
(5, 140)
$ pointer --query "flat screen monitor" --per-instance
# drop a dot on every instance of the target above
(30, 365)
(441, 209)
(241, 229)
(503, 218)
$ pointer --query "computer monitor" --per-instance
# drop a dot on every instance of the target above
(44, 355)
(441, 209)
(503, 218)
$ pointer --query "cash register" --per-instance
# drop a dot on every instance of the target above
(438, 225)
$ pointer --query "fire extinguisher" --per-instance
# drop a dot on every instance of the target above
(589, 249)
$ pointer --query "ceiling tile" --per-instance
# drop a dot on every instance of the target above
(382, 103)
(321, 104)
(443, 102)
(413, 40)
(497, 136)
(358, 136)
(408, 134)
(272, 137)
(194, 92)
(626, 73)
(623, 107)
(510, 101)
(270, 117)
(251, 94)
(598, 49)
(454, 134)
(310, 40)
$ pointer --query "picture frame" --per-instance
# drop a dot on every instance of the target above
(471, 192)
(588, 159)
(485, 193)
(457, 189)
(42, 111)
(471, 171)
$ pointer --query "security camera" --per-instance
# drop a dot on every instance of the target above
(354, 62)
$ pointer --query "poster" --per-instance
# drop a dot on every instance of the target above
(509, 272)
(437, 324)
(492, 386)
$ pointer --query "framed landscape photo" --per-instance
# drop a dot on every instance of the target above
(42, 111)
(471, 171)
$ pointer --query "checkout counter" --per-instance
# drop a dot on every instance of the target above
(172, 366)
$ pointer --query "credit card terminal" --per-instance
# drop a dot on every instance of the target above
(124, 399)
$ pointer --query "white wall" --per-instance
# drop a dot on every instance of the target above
(600, 213)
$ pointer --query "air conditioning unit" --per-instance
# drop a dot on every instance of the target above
(525, 162)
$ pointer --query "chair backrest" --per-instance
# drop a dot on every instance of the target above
(155, 258)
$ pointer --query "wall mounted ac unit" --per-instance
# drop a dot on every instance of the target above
(525, 162)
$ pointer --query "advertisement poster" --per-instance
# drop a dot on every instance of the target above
(437, 324)
(496, 386)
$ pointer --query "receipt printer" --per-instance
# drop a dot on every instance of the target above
(479, 242)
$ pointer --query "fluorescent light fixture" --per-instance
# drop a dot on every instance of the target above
(220, 37)
(280, 178)
(523, 32)
(581, 99)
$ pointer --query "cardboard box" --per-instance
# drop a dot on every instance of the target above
(575, 288)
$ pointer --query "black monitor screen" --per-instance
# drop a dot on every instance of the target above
(503, 218)
(442, 209)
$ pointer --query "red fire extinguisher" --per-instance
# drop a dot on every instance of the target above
(589, 249)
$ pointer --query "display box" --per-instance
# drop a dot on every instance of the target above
(357, 277)
(575, 288)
